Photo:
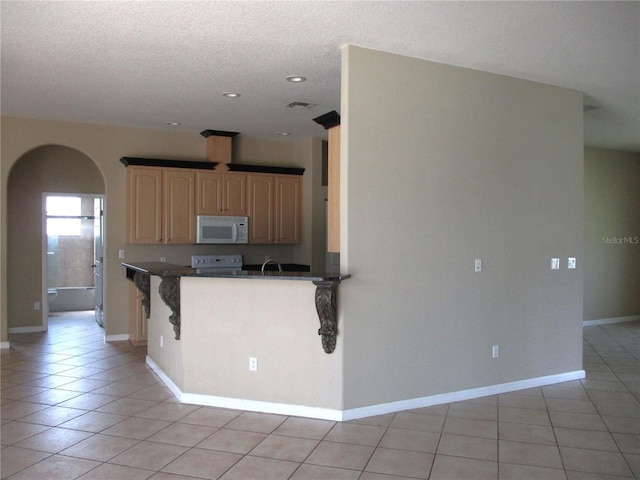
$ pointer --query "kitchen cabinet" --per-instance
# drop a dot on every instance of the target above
(137, 318)
(331, 122)
(261, 201)
(274, 208)
(221, 193)
(288, 203)
(179, 212)
(333, 190)
(160, 205)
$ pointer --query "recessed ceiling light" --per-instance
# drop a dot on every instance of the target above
(284, 134)
(174, 124)
(296, 79)
(231, 94)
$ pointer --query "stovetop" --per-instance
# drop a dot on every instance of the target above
(227, 262)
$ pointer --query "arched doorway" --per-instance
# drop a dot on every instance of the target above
(46, 170)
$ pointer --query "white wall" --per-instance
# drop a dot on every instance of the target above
(440, 166)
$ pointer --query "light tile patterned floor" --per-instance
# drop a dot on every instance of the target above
(75, 407)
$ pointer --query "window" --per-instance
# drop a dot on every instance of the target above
(63, 216)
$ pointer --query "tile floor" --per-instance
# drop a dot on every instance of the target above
(75, 407)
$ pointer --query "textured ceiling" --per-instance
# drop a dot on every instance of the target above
(147, 63)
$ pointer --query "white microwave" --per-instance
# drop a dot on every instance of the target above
(217, 229)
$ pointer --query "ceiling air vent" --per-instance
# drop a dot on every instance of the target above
(298, 104)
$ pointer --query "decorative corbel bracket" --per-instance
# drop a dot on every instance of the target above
(326, 302)
(170, 293)
(142, 282)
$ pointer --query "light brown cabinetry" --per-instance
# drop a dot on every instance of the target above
(274, 206)
(333, 193)
(179, 213)
(288, 205)
(137, 318)
(261, 201)
(331, 122)
(160, 205)
(221, 193)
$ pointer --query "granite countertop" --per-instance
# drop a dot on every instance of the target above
(172, 270)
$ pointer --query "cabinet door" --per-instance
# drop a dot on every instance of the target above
(288, 207)
(221, 194)
(144, 205)
(179, 211)
(209, 187)
(234, 194)
(261, 211)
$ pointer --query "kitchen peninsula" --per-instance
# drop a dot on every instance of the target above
(244, 339)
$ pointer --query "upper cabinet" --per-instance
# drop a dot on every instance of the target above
(275, 205)
(331, 122)
(164, 198)
(261, 196)
(144, 205)
(221, 193)
(160, 205)
(179, 213)
(288, 190)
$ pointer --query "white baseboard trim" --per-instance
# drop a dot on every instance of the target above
(608, 321)
(4, 345)
(460, 395)
(352, 414)
(36, 329)
(165, 379)
(116, 338)
(244, 404)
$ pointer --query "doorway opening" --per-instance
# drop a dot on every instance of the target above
(73, 254)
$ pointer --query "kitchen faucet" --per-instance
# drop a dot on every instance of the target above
(270, 260)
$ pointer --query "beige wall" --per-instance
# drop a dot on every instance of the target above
(105, 145)
(612, 234)
(224, 322)
(39, 171)
(443, 165)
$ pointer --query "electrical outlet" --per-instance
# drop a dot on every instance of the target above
(478, 265)
(571, 263)
(253, 364)
(36, 305)
(163, 259)
(495, 351)
(120, 253)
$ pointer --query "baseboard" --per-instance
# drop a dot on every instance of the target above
(4, 345)
(352, 414)
(608, 321)
(165, 378)
(461, 395)
(244, 404)
(36, 329)
(116, 338)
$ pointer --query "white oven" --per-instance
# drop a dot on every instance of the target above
(218, 229)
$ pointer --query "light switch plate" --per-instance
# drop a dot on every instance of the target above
(555, 264)
(571, 263)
